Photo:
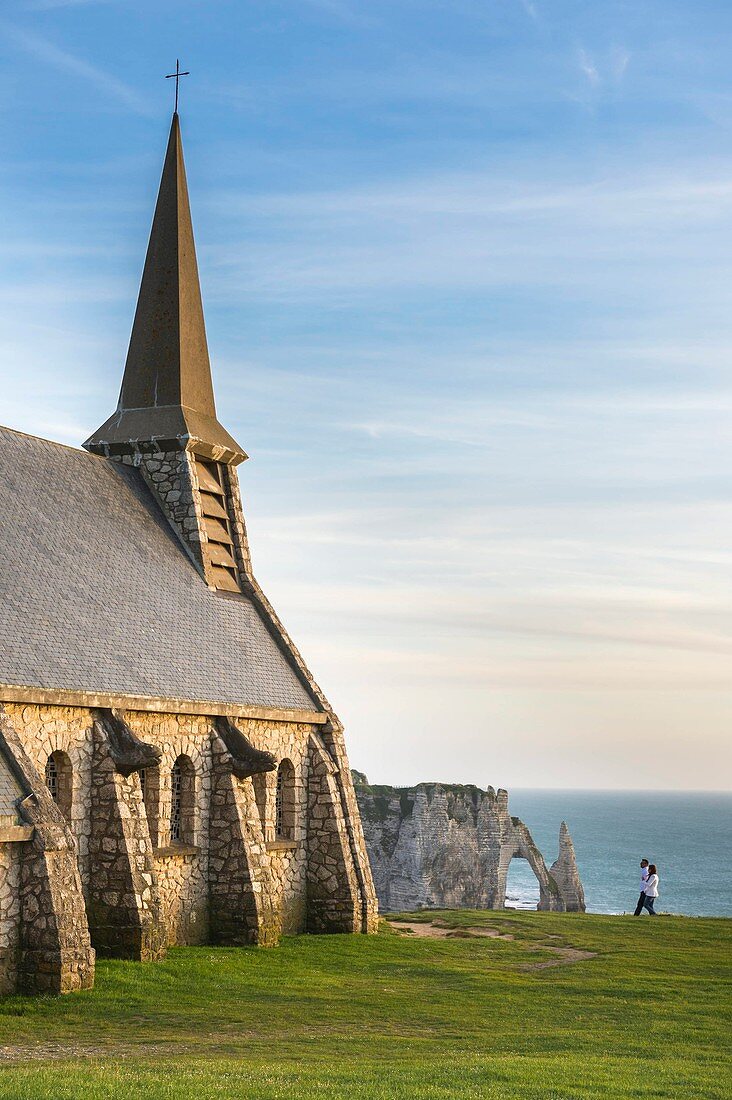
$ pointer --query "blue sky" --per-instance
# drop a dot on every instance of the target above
(468, 286)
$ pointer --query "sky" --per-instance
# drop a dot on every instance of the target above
(467, 275)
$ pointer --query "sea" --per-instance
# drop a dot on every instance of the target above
(687, 835)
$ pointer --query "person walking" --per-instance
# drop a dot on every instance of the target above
(651, 890)
(643, 881)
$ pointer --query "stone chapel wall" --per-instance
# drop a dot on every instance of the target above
(43, 927)
(47, 729)
(181, 871)
(10, 854)
(287, 855)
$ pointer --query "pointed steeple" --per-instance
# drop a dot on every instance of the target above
(167, 401)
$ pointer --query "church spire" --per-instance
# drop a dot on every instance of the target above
(167, 401)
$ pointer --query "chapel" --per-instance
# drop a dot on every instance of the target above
(170, 772)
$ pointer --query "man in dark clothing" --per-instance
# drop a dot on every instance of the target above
(643, 881)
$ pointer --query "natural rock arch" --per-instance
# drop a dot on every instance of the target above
(434, 846)
(520, 845)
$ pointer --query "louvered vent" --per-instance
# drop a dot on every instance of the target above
(220, 545)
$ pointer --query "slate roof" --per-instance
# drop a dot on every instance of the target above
(98, 595)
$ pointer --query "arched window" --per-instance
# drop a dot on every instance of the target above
(182, 801)
(150, 788)
(59, 781)
(285, 802)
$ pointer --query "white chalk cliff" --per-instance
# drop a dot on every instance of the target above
(434, 846)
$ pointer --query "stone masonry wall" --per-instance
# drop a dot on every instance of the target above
(9, 916)
(181, 873)
(277, 863)
(243, 907)
(173, 480)
(333, 887)
(55, 953)
(47, 729)
(123, 900)
(171, 476)
(287, 857)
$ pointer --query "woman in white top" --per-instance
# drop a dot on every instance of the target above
(651, 890)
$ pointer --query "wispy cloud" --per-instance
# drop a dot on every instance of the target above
(607, 69)
(50, 54)
(477, 230)
(466, 273)
(531, 9)
(588, 67)
(620, 61)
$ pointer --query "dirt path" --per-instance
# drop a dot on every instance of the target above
(442, 932)
(43, 1052)
(438, 930)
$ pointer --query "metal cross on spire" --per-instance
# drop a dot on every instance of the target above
(177, 74)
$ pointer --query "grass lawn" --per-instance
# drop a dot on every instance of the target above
(397, 1015)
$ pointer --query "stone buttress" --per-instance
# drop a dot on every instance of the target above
(243, 903)
(54, 953)
(334, 892)
(123, 896)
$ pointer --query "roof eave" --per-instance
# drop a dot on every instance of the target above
(165, 428)
(65, 697)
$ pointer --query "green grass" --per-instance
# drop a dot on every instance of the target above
(393, 1016)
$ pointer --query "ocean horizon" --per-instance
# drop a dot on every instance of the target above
(687, 834)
